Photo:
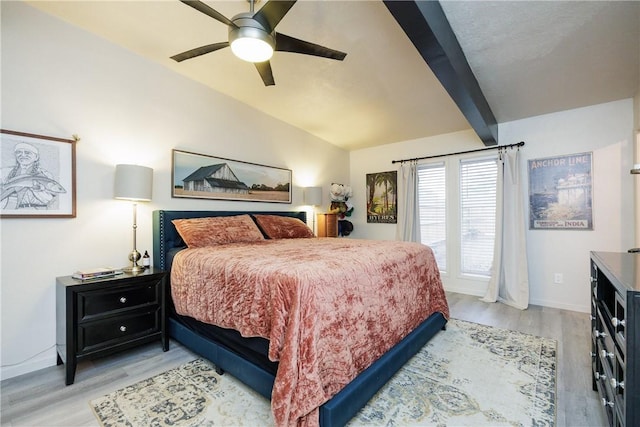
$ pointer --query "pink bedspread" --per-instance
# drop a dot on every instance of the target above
(329, 307)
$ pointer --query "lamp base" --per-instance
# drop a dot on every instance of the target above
(134, 269)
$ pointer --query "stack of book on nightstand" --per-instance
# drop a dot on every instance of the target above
(96, 273)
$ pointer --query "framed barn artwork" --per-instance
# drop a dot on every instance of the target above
(201, 176)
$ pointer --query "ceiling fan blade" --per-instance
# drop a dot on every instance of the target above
(264, 68)
(290, 44)
(271, 13)
(209, 11)
(199, 51)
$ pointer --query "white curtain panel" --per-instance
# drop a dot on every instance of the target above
(509, 281)
(408, 227)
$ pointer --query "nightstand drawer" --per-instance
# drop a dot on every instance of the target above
(95, 335)
(99, 302)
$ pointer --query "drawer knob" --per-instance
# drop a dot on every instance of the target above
(599, 334)
(123, 328)
(592, 354)
(592, 317)
(605, 353)
(600, 376)
(616, 322)
(615, 384)
(605, 402)
(123, 299)
(593, 279)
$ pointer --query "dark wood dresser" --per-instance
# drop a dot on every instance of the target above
(615, 337)
(327, 225)
(98, 317)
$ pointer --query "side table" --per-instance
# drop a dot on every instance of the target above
(98, 317)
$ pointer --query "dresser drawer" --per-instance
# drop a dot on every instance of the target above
(606, 363)
(607, 403)
(95, 335)
(619, 323)
(603, 325)
(603, 375)
(101, 302)
(616, 382)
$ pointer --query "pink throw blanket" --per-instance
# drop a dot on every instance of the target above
(329, 307)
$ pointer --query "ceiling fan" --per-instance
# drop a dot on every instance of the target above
(253, 38)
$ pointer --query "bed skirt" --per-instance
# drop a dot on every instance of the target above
(346, 403)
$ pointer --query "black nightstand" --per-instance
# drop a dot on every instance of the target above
(99, 317)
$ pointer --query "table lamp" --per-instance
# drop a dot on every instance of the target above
(313, 197)
(133, 183)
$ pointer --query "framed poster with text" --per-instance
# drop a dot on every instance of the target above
(561, 193)
(382, 197)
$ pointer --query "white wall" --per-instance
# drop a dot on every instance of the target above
(636, 109)
(58, 80)
(605, 130)
(636, 127)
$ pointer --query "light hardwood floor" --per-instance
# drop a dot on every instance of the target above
(41, 398)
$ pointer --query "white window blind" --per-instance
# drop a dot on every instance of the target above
(433, 224)
(477, 215)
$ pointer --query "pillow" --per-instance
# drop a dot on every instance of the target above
(282, 227)
(218, 230)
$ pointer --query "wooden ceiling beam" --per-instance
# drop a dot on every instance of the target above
(427, 27)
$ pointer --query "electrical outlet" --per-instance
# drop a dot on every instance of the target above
(557, 278)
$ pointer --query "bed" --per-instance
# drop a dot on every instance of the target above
(267, 351)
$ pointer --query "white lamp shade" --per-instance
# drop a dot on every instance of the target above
(133, 182)
(313, 196)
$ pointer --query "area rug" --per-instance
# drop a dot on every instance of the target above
(468, 375)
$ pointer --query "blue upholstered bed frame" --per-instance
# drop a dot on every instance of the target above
(345, 404)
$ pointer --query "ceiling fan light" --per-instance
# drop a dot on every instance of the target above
(251, 49)
(250, 43)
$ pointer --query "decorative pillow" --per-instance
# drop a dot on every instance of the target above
(218, 230)
(283, 227)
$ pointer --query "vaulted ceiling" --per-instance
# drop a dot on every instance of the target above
(527, 58)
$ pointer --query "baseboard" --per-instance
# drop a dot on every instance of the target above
(35, 364)
(532, 301)
(465, 290)
(553, 304)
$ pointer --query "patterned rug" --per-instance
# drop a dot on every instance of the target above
(468, 375)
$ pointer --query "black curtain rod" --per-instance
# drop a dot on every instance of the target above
(495, 147)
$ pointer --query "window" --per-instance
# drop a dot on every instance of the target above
(457, 200)
(477, 215)
(433, 210)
